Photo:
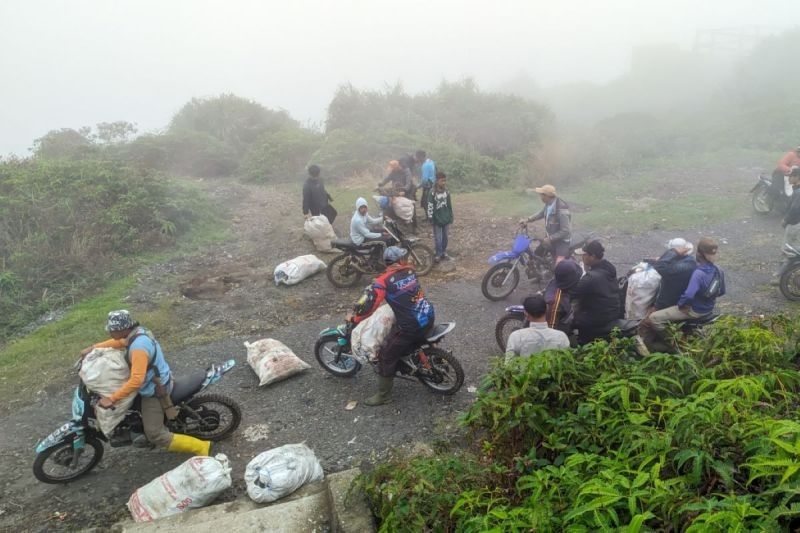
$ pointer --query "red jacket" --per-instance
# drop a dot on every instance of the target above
(791, 159)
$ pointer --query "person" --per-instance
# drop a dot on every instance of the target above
(360, 232)
(557, 222)
(537, 337)
(426, 179)
(408, 165)
(596, 295)
(440, 211)
(705, 286)
(557, 295)
(316, 200)
(675, 266)
(784, 168)
(150, 377)
(414, 317)
(791, 222)
(399, 178)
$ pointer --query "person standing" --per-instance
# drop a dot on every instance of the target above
(427, 178)
(316, 200)
(557, 222)
(538, 337)
(440, 211)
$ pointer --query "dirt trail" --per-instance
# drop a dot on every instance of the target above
(226, 292)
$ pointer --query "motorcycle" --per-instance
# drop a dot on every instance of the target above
(765, 198)
(76, 447)
(432, 366)
(528, 254)
(790, 273)
(346, 269)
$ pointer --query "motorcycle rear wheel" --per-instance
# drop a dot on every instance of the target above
(446, 376)
(505, 327)
(762, 200)
(341, 273)
(325, 350)
(492, 285)
(61, 453)
(212, 426)
(790, 282)
(421, 258)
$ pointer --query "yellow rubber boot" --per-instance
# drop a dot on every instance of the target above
(187, 444)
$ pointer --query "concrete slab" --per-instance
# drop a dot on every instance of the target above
(349, 510)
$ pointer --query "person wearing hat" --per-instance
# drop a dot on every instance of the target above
(150, 374)
(675, 266)
(316, 200)
(557, 221)
(537, 337)
(557, 295)
(706, 284)
(596, 295)
(399, 287)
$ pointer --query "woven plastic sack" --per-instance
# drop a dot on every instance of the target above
(321, 233)
(643, 287)
(276, 473)
(273, 361)
(296, 270)
(193, 484)
(368, 335)
(104, 371)
(404, 208)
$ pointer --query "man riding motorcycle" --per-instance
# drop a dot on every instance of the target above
(782, 171)
(413, 313)
(557, 295)
(360, 232)
(596, 295)
(151, 377)
(557, 222)
(675, 266)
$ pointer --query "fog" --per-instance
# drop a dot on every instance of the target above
(79, 62)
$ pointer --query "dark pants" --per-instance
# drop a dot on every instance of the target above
(423, 201)
(587, 334)
(440, 239)
(397, 345)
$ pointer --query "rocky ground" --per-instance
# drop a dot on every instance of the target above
(226, 293)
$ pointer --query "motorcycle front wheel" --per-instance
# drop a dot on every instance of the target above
(790, 282)
(497, 283)
(445, 376)
(421, 258)
(326, 350)
(507, 325)
(341, 273)
(54, 465)
(763, 201)
(217, 417)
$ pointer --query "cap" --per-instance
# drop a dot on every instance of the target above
(119, 320)
(547, 190)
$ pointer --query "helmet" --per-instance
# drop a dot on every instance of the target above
(394, 254)
(119, 321)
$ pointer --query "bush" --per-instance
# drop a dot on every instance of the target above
(187, 153)
(63, 143)
(281, 155)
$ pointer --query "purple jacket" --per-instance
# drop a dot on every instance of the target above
(699, 282)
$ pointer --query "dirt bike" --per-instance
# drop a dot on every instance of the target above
(346, 269)
(77, 446)
(528, 254)
(790, 273)
(432, 366)
(765, 198)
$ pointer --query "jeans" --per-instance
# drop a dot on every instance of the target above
(440, 238)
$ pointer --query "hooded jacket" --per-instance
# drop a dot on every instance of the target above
(359, 229)
(597, 296)
(675, 271)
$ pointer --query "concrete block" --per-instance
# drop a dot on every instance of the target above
(349, 510)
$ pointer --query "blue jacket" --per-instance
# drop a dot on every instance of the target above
(675, 271)
(701, 279)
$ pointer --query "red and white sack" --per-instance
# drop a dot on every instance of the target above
(320, 231)
(278, 472)
(104, 371)
(296, 270)
(193, 484)
(368, 335)
(404, 208)
(273, 361)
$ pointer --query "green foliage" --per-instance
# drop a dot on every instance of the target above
(63, 143)
(599, 439)
(281, 155)
(183, 152)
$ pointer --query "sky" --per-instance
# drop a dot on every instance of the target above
(73, 63)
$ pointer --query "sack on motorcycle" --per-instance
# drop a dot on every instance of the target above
(320, 231)
(296, 270)
(104, 371)
(276, 473)
(403, 208)
(643, 287)
(368, 335)
(193, 484)
(273, 361)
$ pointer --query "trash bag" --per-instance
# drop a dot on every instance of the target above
(104, 371)
(276, 473)
(403, 208)
(273, 361)
(193, 484)
(369, 334)
(321, 232)
(295, 270)
(643, 287)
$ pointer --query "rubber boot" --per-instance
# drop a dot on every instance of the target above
(187, 444)
(384, 394)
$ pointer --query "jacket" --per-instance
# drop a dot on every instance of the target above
(597, 296)
(694, 296)
(315, 197)
(440, 207)
(792, 216)
(675, 271)
(399, 287)
(791, 159)
(558, 224)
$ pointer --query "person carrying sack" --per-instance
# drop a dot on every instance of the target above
(151, 378)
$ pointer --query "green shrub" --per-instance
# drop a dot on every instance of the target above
(281, 155)
(182, 152)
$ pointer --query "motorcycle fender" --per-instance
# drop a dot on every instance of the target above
(66, 431)
(502, 256)
(762, 182)
(515, 310)
(329, 331)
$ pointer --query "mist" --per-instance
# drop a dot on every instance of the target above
(70, 64)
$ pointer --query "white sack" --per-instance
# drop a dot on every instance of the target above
(193, 484)
(273, 361)
(369, 334)
(276, 473)
(320, 232)
(104, 371)
(643, 287)
(404, 208)
(296, 270)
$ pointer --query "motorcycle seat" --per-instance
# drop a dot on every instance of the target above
(185, 386)
(343, 244)
(440, 330)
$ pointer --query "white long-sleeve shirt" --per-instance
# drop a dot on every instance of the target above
(536, 338)
(359, 230)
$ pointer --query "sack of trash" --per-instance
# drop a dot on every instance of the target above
(643, 287)
(104, 371)
(193, 484)
(320, 231)
(404, 208)
(368, 335)
(276, 473)
(296, 270)
(273, 361)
